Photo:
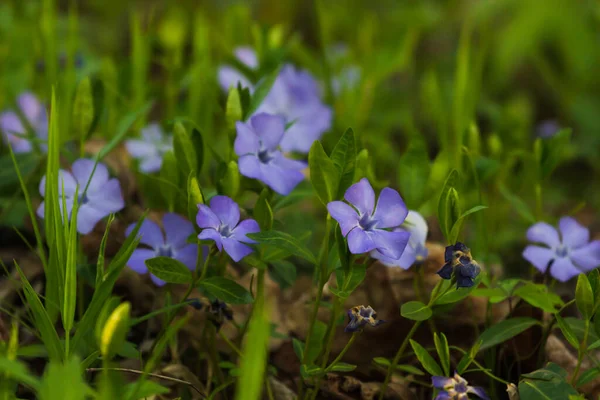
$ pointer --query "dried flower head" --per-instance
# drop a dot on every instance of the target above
(460, 264)
(360, 316)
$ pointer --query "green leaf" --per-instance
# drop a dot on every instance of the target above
(384, 362)
(584, 297)
(416, 311)
(229, 184)
(184, 150)
(545, 384)
(444, 206)
(349, 278)
(457, 294)
(122, 129)
(198, 142)
(553, 151)
(284, 241)
(343, 157)
(324, 176)
(315, 343)
(54, 383)
(588, 376)
(260, 92)
(567, 331)
(195, 196)
(298, 348)
(441, 345)
(169, 270)
(226, 290)
(233, 108)
(83, 110)
(426, 360)
(342, 367)
(263, 214)
(413, 172)
(283, 272)
(456, 228)
(169, 174)
(504, 330)
(519, 205)
(146, 389)
(16, 370)
(578, 327)
(538, 295)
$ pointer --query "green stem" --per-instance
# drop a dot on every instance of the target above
(343, 352)
(581, 352)
(420, 292)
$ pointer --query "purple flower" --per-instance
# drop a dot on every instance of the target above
(360, 316)
(365, 225)
(296, 96)
(456, 388)
(173, 243)
(221, 222)
(103, 195)
(256, 144)
(151, 148)
(14, 129)
(348, 78)
(230, 77)
(460, 262)
(416, 250)
(567, 255)
(547, 129)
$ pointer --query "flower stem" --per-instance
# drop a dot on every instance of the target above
(581, 352)
(343, 352)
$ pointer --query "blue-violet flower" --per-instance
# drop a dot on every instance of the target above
(568, 254)
(102, 197)
(230, 77)
(257, 145)
(365, 225)
(221, 222)
(151, 148)
(456, 388)
(15, 132)
(173, 243)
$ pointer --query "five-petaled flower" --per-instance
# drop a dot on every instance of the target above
(151, 148)
(459, 260)
(257, 145)
(365, 225)
(15, 132)
(456, 388)
(221, 222)
(230, 77)
(97, 194)
(173, 243)
(360, 316)
(416, 250)
(568, 254)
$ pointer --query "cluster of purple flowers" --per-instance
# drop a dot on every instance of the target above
(16, 126)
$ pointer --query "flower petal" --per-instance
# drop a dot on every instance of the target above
(246, 141)
(211, 234)
(543, 233)
(82, 171)
(573, 234)
(478, 391)
(361, 196)
(246, 55)
(87, 218)
(243, 228)
(11, 123)
(440, 382)
(360, 242)
(157, 281)
(229, 78)
(153, 133)
(236, 250)
(390, 244)
(66, 182)
(417, 226)
(563, 269)
(249, 166)
(539, 257)
(177, 229)
(151, 164)
(446, 271)
(405, 261)
(282, 181)
(587, 257)
(269, 128)
(391, 210)
(443, 395)
(307, 128)
(287, 163)
(31, 107)
(188, 255)
(226, 210)
(150, 234)
(109, 199)
(345, 215)
(206, 218)
(137, 261)
(140, 149)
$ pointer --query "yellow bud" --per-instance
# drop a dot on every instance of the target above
(114, 330)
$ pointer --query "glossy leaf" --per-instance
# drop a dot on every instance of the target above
(169, 270)
(505, 330)
(584, 297)
(416, 311)
(428, 363)
(343, 157)
(324, 175)
(284, 241)
(226, 290)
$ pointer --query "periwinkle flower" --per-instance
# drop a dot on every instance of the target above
(365, 225)
(230, 77)
(348, 78)
(460, 262)
(296, 96)
(456, 388)
(416, 249)
(257, 145)
(172, 243)
(360, 316)
(151, 148)
(568, 254)
(14, 129)
(547, 129)
(102, 197)
(221, 222)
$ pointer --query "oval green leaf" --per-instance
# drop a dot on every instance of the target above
(169, 270)
(416, 311)
(226, 290)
